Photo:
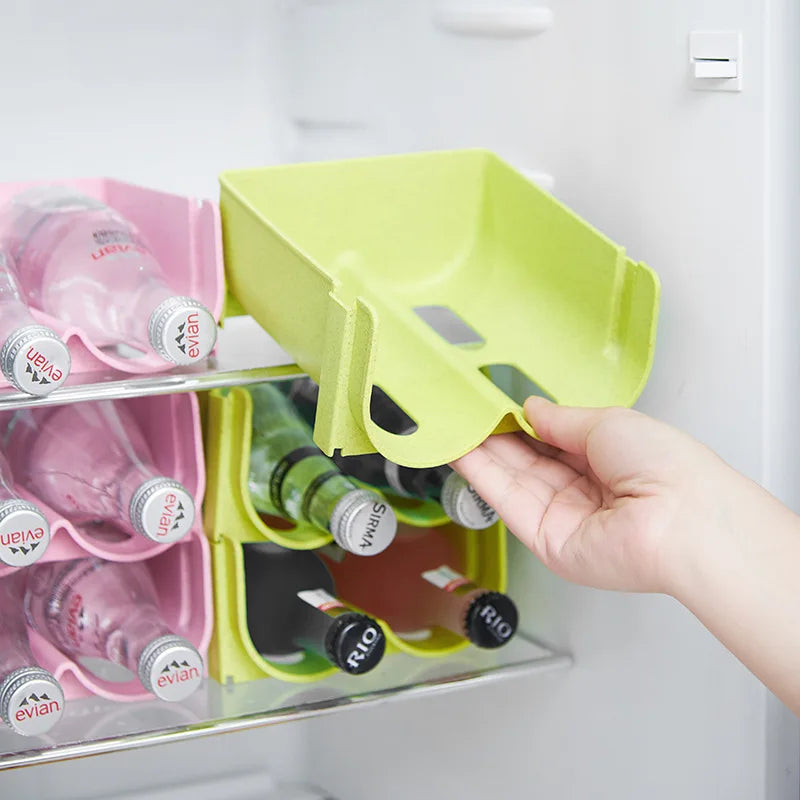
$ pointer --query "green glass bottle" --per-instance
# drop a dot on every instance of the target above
(291, 477)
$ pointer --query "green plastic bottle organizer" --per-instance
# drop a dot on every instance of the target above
(343, 263)
(227, 415)
(232, 656)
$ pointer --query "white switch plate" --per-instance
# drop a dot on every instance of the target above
(715, 60)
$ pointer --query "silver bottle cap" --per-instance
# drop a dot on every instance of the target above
(31, 701)
(464, 505)
(35, 360)
(171, 668)
(182, 330)
(363, 523)
(162, 510)
(24, 533)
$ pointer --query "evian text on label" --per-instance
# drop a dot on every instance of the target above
(44, 366)
(35, 706)
(171, 515)
(375, 517)
(21, 537)
(362, 648)
(172, 677)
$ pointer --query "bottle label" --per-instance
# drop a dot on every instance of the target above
(445, 578)
(320, 599)
(281, 470)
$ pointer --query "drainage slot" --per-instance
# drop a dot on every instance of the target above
(515, 383)
(449, 325)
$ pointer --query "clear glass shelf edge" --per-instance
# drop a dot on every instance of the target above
(245, 353)
(92, 725)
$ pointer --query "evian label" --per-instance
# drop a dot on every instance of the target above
(36, 360)
(184, 331)
(175, 672)
(163, 510)
(35, 703)
(24, 533)
(320, 599)
(445, 578)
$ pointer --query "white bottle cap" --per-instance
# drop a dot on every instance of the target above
(363, 523)
(31, 701)
(171, 668)
(162, 510)
(35, 360)
(464, 505)
(24, 533)
(182, 330)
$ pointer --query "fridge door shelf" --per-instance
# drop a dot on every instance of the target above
(93, 725)
(245, 353)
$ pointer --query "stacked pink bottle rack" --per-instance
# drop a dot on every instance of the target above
(171, 424)
(185, 237)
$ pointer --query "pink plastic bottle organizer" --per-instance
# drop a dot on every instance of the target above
(184, 236)
(171, 427)
(183, 583)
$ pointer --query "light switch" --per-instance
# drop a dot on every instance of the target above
(715, 58)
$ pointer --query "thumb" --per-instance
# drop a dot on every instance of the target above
(564, 427)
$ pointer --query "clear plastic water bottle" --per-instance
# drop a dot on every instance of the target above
(82, 262)
(24, 530)
(95, 609)
(31, 699)
(32, 357)
(90, 462)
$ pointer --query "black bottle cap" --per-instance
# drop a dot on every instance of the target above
(491, 620)
(355, 643)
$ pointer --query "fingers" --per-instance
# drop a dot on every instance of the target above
(515, 452)
(565, 427)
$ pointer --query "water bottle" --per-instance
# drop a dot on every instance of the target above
(81, 261)
(90, 462)
(32, 357)
(95, 609)
(31, 699)
(24, 530)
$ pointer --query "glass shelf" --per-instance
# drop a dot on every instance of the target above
(245, 353)
(93, 725)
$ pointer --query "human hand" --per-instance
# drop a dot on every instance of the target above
(610, 497)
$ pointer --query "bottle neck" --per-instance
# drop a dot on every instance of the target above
(126, 645)
(315, 623)
(6, 487)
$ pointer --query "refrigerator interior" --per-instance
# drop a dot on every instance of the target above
(594, 100)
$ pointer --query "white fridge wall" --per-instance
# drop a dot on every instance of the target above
(701, 185)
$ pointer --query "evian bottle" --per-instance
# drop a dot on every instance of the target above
(31, 699)
(81, 261)
(24, 530)
(458, 499)
(32, 357)
(94, 609)
(291, 477)
(90, 462)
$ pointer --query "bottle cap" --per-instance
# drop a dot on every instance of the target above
(363, 523)
(171, 668)
(162, 510)
(464, 505)
(31, 701)
(355, 643)
(24, 533)
(182, 330)
(35, 360)
(491, 620)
